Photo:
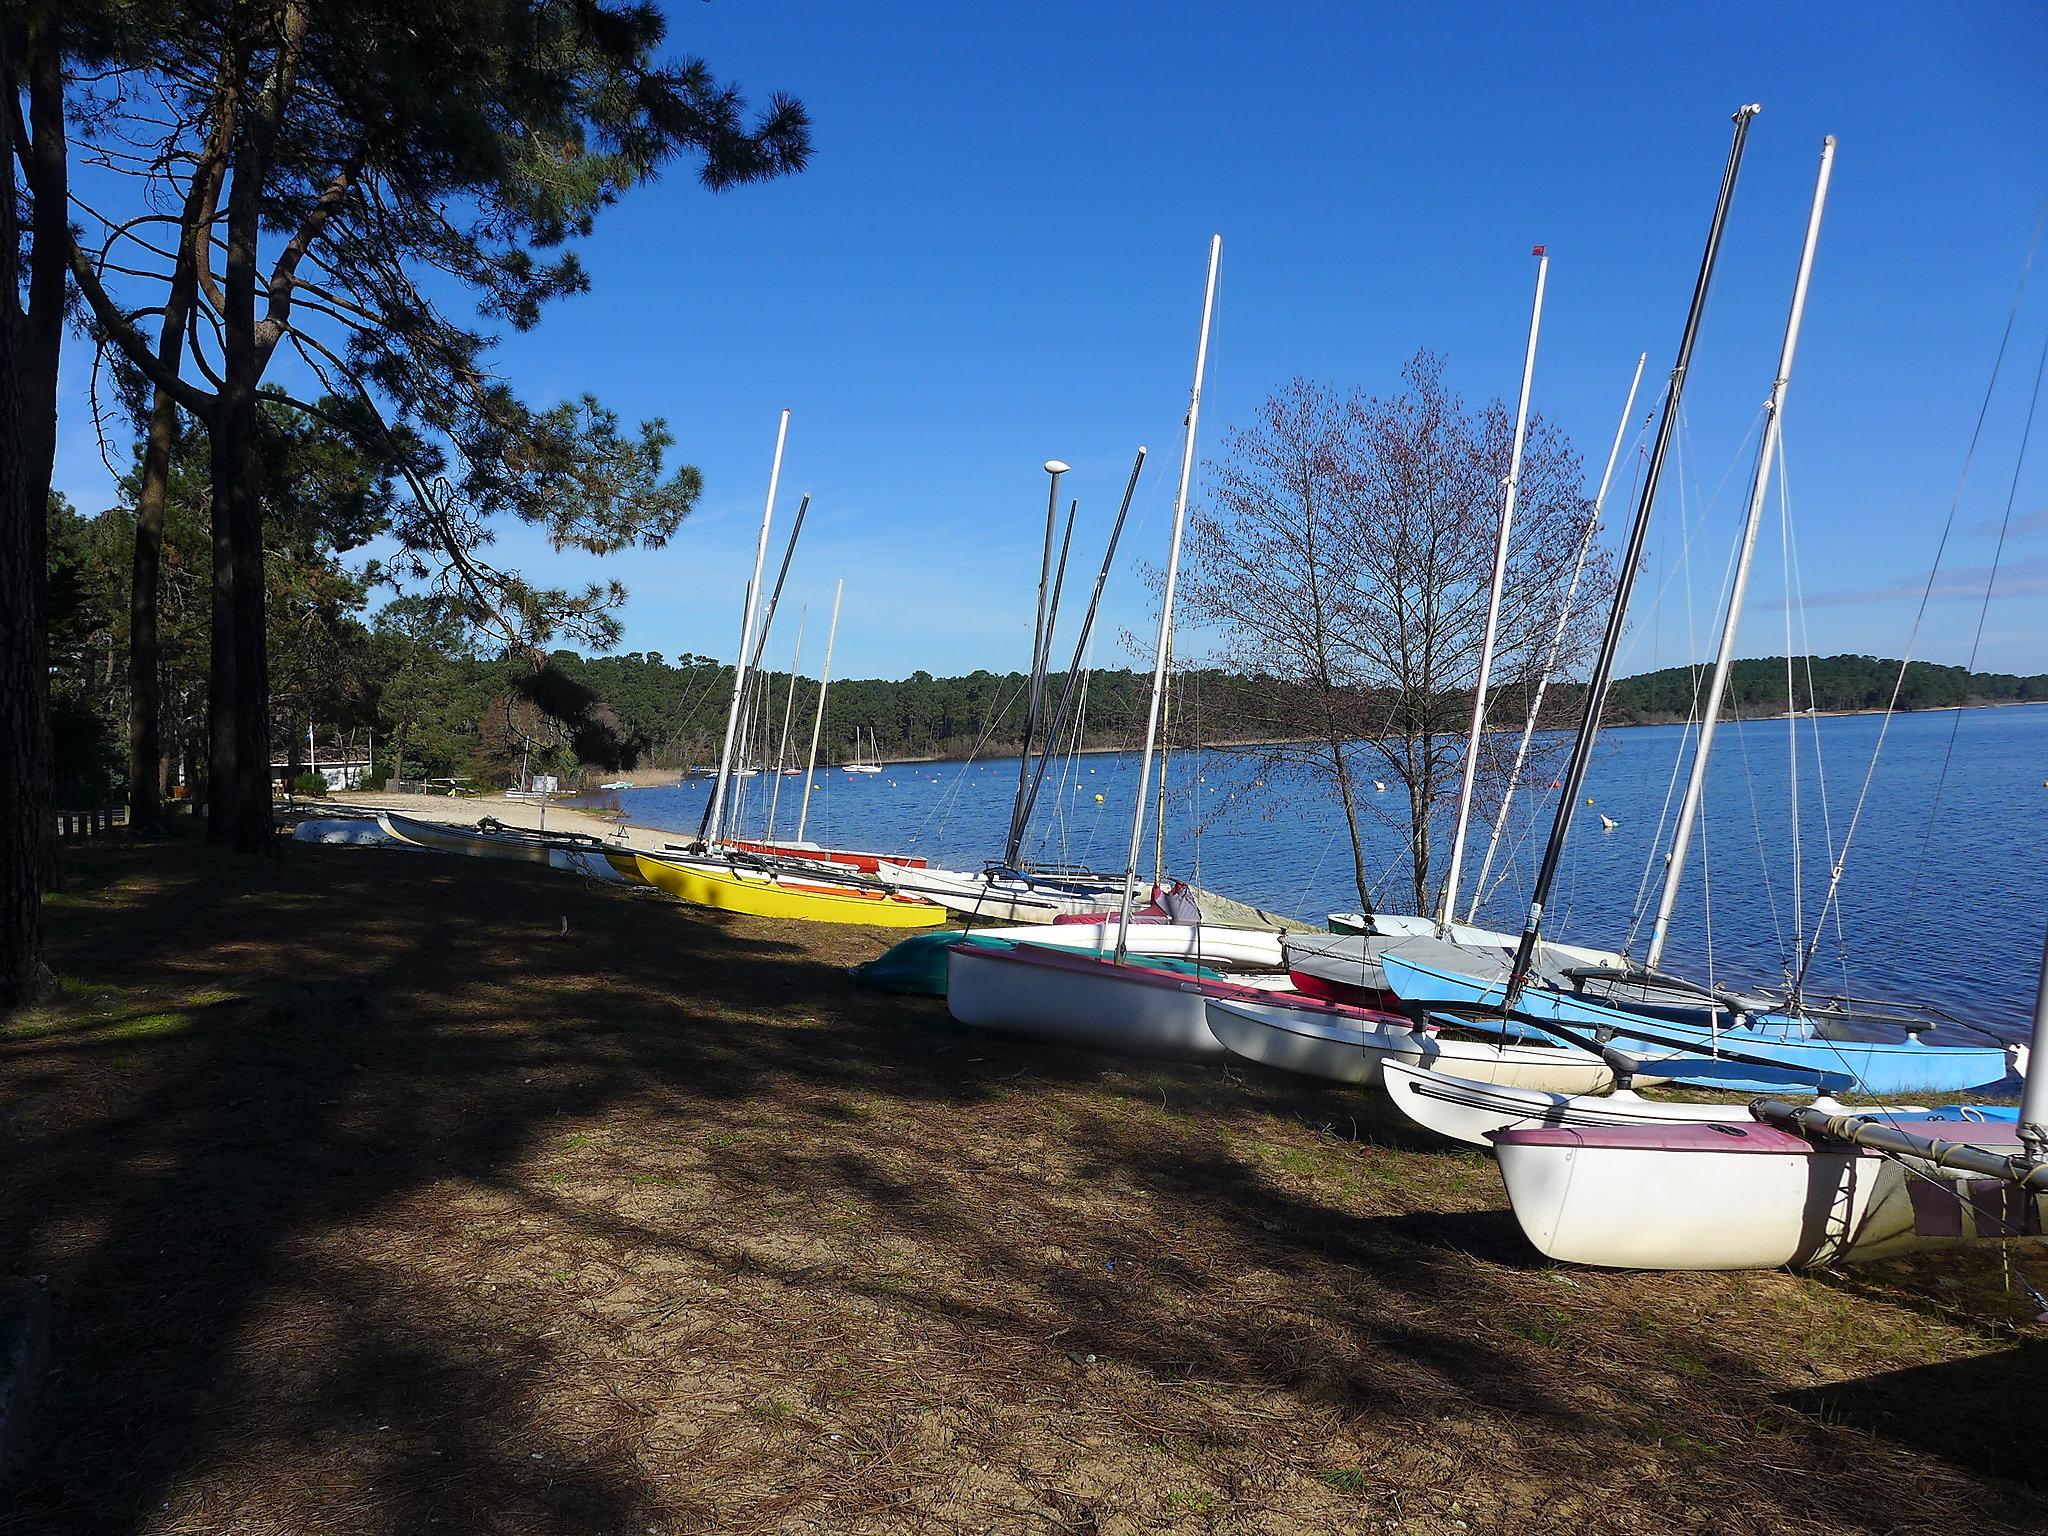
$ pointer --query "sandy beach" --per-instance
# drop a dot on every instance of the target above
(468, 810)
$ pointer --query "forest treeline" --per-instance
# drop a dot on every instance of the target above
(406, 678)
(1831, 684)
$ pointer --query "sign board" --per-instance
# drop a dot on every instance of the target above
(546, 783)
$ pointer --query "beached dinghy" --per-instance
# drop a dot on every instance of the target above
(1888, 1068)
(1752, 1196)
(1346, 966)
(1341, 1044)
(912, 966)
(1079, 999)
(1796, 1185)
(770, 892)
(1075, 998)
(1465, 1109)
(489, 839)
(364, 831)
(866, 863)
(999, 895)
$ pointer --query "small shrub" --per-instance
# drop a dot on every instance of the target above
(310, 784)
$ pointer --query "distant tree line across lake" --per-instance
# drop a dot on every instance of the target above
(467, 717)
(414, 679)
(1830, 684)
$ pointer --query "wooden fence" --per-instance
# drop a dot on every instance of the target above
(72, 825)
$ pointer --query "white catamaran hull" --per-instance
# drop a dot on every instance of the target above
(1465, 1109)
(1250, 949)
(984, 896)
(1080, 1000)
(1746, 1196)
(1296, 1039)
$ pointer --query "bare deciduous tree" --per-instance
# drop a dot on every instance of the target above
(1346, 551)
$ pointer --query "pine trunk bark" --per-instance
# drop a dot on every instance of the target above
(29, 342)
(145, 695)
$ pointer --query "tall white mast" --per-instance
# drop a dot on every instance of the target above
(1564, 614)
(1180, 517)
(1774, 408)
(2034, 1096)
(788, 709)
(739, 672)
(1447, 906)
(818, 721)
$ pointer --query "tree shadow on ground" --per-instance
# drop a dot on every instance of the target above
(383, 1191)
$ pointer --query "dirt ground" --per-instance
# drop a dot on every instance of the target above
(397, 1192)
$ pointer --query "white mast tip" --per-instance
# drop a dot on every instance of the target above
(1056, 467)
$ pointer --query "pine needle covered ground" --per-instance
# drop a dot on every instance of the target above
(370, 1201)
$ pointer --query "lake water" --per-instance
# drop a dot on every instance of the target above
(1942, 905)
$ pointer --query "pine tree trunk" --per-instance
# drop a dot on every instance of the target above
(145, 696)
(238, 770)
(29, 344)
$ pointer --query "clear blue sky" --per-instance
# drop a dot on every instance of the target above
(996, 257)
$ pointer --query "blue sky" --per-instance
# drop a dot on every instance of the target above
(997, 257)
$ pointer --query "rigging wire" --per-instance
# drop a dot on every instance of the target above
(1977, 637)
(1927, 591)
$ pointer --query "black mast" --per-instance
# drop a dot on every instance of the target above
(1631, 560)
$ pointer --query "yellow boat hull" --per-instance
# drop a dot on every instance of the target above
(760, 895)
(625, 864)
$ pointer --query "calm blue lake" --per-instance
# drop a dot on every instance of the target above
(1943, 902)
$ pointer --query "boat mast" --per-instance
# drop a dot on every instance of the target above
(796, 529)
(1774, 421)
(2034, 1096)
(1180, 517)
(1059, 716)
(1625, 578)
(803, 815)
(1447, 904)
(788, 710)
(1054, 468)
(1500, 821)
(1041, 672)
(709, 831)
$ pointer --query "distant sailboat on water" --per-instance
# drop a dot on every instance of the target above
(867, 763)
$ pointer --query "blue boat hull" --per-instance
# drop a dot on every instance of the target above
(1873, 1067)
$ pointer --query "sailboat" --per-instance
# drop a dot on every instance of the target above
(713, 872)
(1095, 997)
(1344, 965)
(1749, 1043)
(1786, 1185)
(864, 764)
(1010, 890)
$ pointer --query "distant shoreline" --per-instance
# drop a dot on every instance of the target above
(664, 778)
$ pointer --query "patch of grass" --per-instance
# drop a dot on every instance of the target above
(1199, 1501)
(143, 1026)
(1352, 1480)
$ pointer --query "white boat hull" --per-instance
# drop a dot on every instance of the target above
(1624, 1208)
(362, 830)
(1748, 1196)
(1308, 1041)
(1335, 1052)
(980, 896)
(1078, 1000)
(1467, 1110)
(1250, 949)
